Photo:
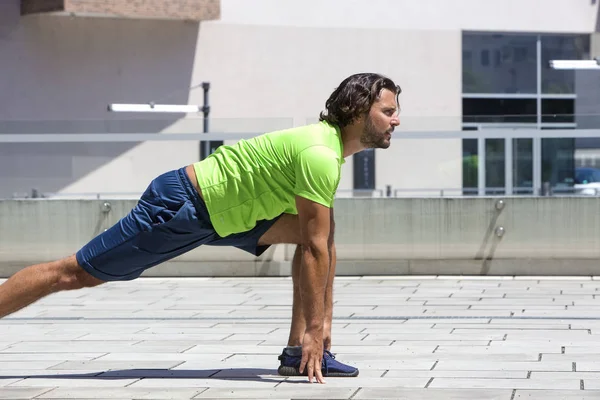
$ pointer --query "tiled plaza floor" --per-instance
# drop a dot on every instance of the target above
(411, 337)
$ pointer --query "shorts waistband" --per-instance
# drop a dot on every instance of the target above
(192, 192)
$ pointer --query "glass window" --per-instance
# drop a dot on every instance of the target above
(485, 58)
(364, 169)
(558, 110)
(486, 110)
(514, 63)
(498, 64)
(494, 166)
(467, 58)
(563, 47)
(522, 166)
(470, 163)
(558, 163)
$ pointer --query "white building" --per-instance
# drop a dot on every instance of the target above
(271, 64)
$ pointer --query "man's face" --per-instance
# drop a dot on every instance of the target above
(381, 121)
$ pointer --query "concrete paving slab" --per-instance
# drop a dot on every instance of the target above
(413, 382)
(49, 373)
(578, 358)
(506, 366)
(72, 382)
(18, 393)
(91, 392)
(7, 366)
(180, 357)
(565, 375)
(191, 337)
(287, 392)
(582, 348)
(556, 395)
(369, 393)
(395, 373)
(468, 383)
(4, 356)
(105, 365)
(591, 384)
(267, 382)
(7, 381)
(587, 366)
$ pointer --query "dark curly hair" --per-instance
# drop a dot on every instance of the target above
(355, 96)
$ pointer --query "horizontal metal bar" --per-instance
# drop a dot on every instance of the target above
(396, 191)
(518, 125)
(518, 96)
(499, 96)
(399, 134)
(118, 137)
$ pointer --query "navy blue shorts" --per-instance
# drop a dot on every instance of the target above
(169, 219)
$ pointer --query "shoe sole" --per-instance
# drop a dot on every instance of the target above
(291, 371)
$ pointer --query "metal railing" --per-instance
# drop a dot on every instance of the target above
(537, 188)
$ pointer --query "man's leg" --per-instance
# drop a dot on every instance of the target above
(37, 281)
(329, 302)
(147, 236)
(298, 322)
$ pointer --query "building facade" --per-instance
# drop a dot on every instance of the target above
(462, 64)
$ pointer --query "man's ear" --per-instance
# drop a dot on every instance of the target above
(360, 120)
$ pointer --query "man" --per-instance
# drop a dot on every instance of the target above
(274, 188)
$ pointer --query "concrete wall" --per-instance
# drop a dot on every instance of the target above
(58, 74)
(487, 15)
(267, 84)
(545, 236)
(194, 10)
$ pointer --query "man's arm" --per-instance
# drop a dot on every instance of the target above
(314, 221)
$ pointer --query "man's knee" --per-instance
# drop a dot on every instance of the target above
(69, 275)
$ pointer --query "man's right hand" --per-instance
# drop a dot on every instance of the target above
(312, 355)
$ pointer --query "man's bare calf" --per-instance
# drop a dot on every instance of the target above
(32, 283)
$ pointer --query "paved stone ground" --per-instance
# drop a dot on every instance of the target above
(411, 337)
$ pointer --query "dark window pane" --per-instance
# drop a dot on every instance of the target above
(485, 58)
(522, 166)
(499, 110)
(467, 58)
(562, 48)
(558, 110)
(364, 169)
(514, 64)
(494, 166)
(469, 156)
(558, 163)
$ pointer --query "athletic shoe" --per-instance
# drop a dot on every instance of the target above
(291, 358)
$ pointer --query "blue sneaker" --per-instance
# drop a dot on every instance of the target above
(291, 358)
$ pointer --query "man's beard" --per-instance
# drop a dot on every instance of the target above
(371, 138)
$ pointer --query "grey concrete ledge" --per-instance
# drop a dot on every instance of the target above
(503, 267)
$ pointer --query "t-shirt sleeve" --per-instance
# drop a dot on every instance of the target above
(317, 175)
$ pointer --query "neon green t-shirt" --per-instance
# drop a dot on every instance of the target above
(259, 178)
